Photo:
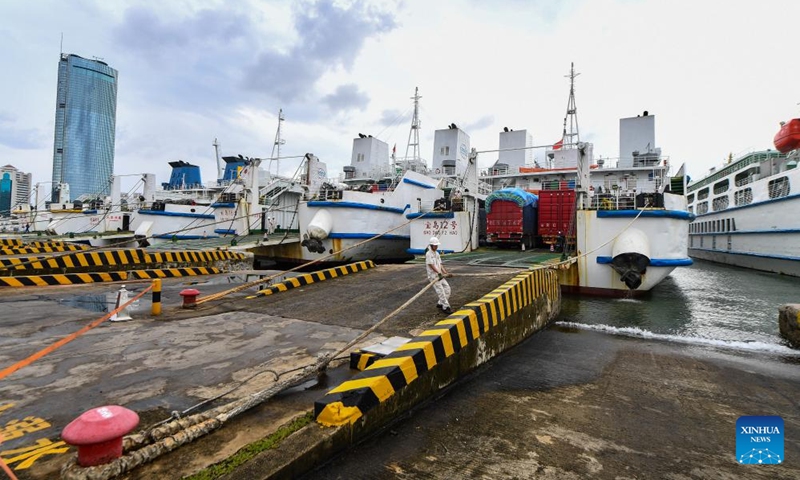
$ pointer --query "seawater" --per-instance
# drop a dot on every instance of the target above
(704, 304)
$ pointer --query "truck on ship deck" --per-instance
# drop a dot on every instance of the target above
(511, 215)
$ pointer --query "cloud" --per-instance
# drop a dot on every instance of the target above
(330, 37)
(391, 117)
(333, 33)
(347, 97)
(19, 138)
(479, 124)
(142, 31)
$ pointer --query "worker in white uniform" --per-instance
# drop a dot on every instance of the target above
(437, 272)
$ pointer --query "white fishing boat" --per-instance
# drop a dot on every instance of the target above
(377, 199)
(745, 209)
(244, 199)
(622, 223)
(340, 218)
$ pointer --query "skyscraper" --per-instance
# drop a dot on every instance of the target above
(86, 113)
(15, 189)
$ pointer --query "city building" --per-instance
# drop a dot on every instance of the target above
(86, 112)
(15, 190)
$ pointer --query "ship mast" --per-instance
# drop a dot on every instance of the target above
(220, 173)
(276, 147)
(413, 133)
(571, 137)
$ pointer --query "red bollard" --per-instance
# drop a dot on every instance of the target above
(190, 297)
(98, 433)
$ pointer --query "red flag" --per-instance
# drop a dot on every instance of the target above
(558, 144)
(394, 149)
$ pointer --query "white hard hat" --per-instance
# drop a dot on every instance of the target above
(434, 241)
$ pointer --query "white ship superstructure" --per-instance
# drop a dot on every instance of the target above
(746, 213)
(628, 226)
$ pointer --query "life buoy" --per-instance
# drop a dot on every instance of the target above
(438, 171)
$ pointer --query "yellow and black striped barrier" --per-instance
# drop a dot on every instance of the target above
(115, 258)
(388, 375)
(24, 250)
(172, 272)
(309, 278)
(11, 242)
(193, 256)
(361, 360)
(64, 279)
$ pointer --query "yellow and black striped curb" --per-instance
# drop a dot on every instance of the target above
(361, 360)
(22, 250)
(173, 272)
(380, 381)
(98, 277)
(309, 278)
(65, 279)
(105, 258)
(11, 242)
(52, 243)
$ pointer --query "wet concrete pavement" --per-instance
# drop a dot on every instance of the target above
(578, 404)
(156, 366)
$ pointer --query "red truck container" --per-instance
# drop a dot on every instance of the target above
(556, 211)
(511, 218)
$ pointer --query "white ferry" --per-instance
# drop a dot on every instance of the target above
(745, 211)
(623, 222)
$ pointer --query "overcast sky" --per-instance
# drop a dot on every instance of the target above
(718, 75)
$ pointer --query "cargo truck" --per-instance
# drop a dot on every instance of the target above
(511, 218)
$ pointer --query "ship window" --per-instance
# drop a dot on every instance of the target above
(691, 209)
(728, 224)
(360, 157)
(445, 150)
(690, 198)
(743, 178)
(720, 203)
(778, 187)
(702, 208)
(702, 194)
(743, 197)
(720, 187)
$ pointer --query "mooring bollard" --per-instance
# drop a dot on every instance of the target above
(190, 297)
(156, 308)
(98, 433)
(122, 299)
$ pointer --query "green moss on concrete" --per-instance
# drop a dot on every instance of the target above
(248, 452)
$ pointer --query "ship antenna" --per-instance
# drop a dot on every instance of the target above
(413, 133)
(276, 147)
(220, 173)
(572, 137)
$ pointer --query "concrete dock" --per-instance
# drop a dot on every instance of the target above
(562, 404)
(155, 366)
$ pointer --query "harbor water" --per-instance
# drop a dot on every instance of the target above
(707, 304)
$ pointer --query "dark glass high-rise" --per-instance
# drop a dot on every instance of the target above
(86, 112)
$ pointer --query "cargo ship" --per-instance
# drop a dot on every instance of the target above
(744, 209)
